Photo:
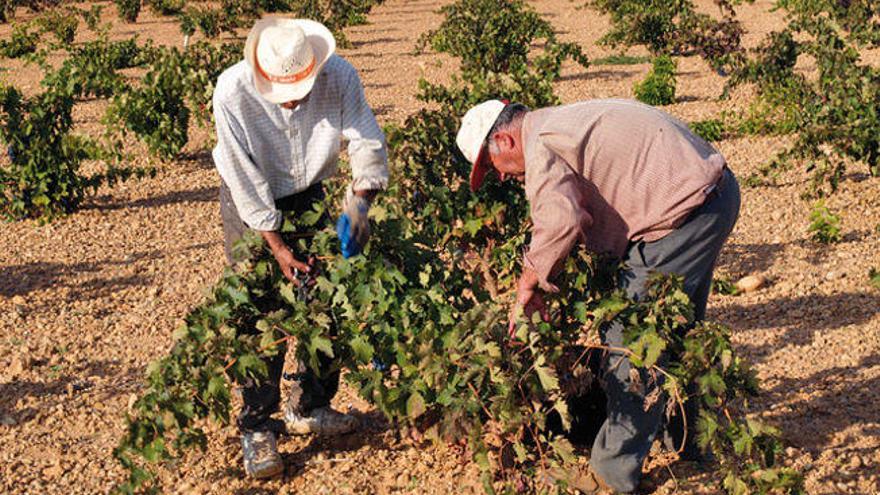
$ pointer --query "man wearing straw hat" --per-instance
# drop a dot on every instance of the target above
(622, 178)
(281, 115)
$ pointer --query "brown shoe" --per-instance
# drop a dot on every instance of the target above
(581, 479)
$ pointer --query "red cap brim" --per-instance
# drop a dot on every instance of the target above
(479, 171)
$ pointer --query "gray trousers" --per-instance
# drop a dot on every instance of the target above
(691, 251)
(308, 391)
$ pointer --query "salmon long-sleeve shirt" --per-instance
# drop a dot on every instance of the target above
(607, 172)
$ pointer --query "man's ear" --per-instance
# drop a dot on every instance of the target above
(504, 140)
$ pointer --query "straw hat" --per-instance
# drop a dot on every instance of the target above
(286, 56)
(475, 127)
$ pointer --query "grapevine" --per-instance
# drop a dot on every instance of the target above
(427, 298)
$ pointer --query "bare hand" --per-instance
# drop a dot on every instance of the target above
(528, 301)
(288, 264)
(286, 260)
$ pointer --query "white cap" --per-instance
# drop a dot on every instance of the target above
(286, 56)
(475, 127)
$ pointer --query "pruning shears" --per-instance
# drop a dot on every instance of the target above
(305, 280)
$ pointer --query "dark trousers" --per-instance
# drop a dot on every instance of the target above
(308, 391)
(690, 251)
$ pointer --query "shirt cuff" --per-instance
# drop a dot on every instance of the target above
(369, 183)
(266, 221)
(543, 272)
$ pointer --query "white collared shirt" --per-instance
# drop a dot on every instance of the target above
(266, 152)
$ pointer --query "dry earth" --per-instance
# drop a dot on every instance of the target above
(86, 302)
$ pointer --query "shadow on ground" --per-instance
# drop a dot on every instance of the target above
(803, 317)
(750, 258)
(22, 279)
(60, 384)
(202, 194)
(35, 276)
(827, 404)
(612, 74)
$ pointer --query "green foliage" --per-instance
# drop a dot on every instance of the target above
(61, 23)
(335, 14)
(857, 17)
(7, 10)
(178, 85)
(874, 278)
(723, 285)
(753, 180)
(21, 42)
(188, 22)
(156, 110)
(492, 223)
(425, 298)
(673, 27)
(824, 224)
(658, 88)
(128, 9)
(91, 68)
(768, 114)
(7, 7)
(352, 12)
(621, 59)
(496, 36)
(92, 17)
(711, 130)
(749, 450)
(837, 114)
(235, 14)
(451, 373)
(167, 7)
(209, 21)
(43, 179)
(38, 5)
(204, 64)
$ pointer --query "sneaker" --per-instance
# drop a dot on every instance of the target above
(320, 421)
(261, 459)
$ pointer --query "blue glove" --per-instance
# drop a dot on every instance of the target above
(353, 227)
(347, 244)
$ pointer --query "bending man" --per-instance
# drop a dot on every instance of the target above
(623, 178)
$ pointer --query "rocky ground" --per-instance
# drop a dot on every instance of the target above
(87, 301)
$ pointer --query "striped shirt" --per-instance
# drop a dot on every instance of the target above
(265, 152)
(607, 172)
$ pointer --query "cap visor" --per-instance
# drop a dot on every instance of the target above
(479, 171)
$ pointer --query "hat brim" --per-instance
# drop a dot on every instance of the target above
(479, 171)
(323, 45)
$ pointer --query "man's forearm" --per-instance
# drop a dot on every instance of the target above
(273, 239)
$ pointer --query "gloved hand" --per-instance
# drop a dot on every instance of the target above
(353, 227)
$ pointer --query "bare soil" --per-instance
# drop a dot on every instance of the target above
(87, 301)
